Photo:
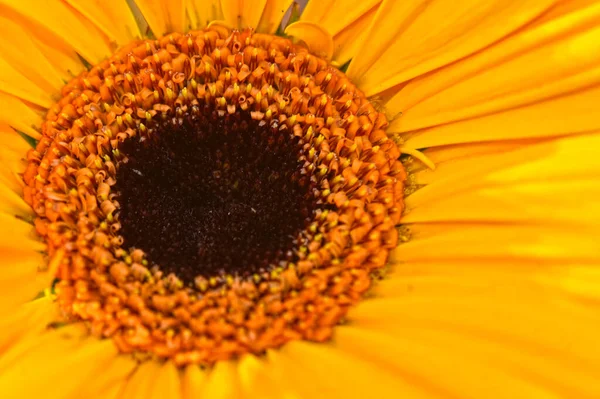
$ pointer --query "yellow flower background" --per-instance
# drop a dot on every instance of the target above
(493, 292)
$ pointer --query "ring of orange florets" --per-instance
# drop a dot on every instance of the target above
(352, 164)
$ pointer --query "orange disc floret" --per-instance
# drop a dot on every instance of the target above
(346, 164)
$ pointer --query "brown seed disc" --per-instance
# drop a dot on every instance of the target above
(256, 122)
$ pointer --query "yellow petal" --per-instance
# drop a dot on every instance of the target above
(193, 381)
(110, 382)
(15, 83)
(485, 241)
(12, 204)
(38, 53)
(345, 20)
(222, 382)
(509, 76)
(243, 14)
(78, 358)
(272, 15)
(337, 15)
(256, 379)
(408, 39)
(164, 16)
(12, 159)
(21, 52)
(115, 20)
(353, 377)
(317, 39)
(548, 161)
(23, 275)
(167, 383)
(141, 383)
(63, 22)
(573, 280)
(348, 41)
(202, 12)
(17, 234)
(447, 364)
(19, 116)
(512, 331)
(26, 321)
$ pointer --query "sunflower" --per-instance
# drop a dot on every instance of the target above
(231, 199)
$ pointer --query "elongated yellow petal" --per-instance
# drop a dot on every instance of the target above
(110, 382)
(243, 13)
(272, 15)
(345, 20)
(202, 12)
(114, 19)
(167, 383)
(508, 77)
(15, 83)
(257, 380)
(62, 21)
(336, 15)
(21, 52)
(193, 381)
(12, 204)
(141, 383)
(501, 241)
(353, 377)
(408, 39)
(80, 358)
(222, 382)
(347, 42)
(25, 322)
(448, 364)
(549, 161)
(17, 234)
(317, 39)
(20, 116)
(164, 16)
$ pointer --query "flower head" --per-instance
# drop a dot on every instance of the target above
(370, 197)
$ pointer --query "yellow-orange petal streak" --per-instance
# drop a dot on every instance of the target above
(14, 82)
(20, 277)
(12, 204)
(345, 20)
(164, 16)
(256, 379)
(347, 42)
(317, 39)
(193, 381)
(485, 241)
(243, 13)
(79, 357)
(272, 15)
(20, 116)
(516, 162)
(336, 15)
(114, 19)
(25, 321)
(63, 21)
(353, 377)
(109, 383)
(408, 39)
(454, 365)
(18, 234)
(19, 50)
(509, 76)
(141, 383)
(222, 382)
(202, 12)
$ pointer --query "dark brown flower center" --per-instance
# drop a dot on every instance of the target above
(209, 195)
